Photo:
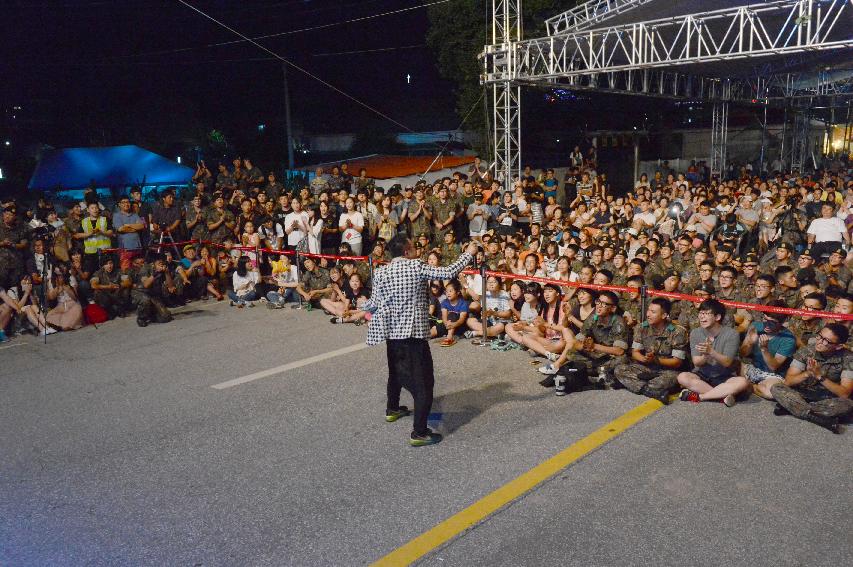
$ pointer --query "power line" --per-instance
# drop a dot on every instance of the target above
(281, 34)
(297, 67)
(12, 63)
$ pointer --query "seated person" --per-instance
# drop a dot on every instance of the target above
(67, 315)
(193, 273)
(498, 311)
(314, 284)
(109, 289)
(245, 280)
(454, 313)
(596, 349)
(544, 335)
(714, 350)
(770, 346)
(346, 301)
(285, 279)
(819, 382)
(658, 352)
(148, 282)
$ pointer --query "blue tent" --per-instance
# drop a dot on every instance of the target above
(117, 166)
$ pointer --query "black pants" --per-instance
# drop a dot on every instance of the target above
(410, 367)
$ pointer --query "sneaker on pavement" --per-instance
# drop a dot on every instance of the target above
(660, 395)
(548, 369)
(729, 401)
(428, 438)
(393, 415)
(689, 396)
(552, 356)
(3, 337)
(468, 334)
(336, 320)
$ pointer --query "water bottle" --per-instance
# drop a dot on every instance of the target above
(560, 385)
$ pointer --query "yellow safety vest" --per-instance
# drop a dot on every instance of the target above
(92, 244)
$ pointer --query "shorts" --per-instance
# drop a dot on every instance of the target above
(756, 375)
(713, 381)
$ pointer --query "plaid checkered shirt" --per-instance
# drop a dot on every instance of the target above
(400, 299)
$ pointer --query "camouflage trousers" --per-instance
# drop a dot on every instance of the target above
(150, 308)
(635, 377)
(798, 406)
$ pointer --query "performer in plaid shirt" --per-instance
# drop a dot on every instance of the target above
(399, 305)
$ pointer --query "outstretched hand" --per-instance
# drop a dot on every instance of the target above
(471, 248)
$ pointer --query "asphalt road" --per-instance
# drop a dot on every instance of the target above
(116, 450)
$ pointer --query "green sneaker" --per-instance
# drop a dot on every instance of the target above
(393, 415)
(429, 438)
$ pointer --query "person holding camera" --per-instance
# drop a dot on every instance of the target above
(148, 282)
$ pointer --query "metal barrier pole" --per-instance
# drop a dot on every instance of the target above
(484, 320)
(643, 296)
(370, 267)
(298, 271)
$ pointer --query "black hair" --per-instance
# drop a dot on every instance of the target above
(781, 271)
(781, 317)
(614, 299)
(840, 331)
(767, 278)
(607, 273)
(397, 245)
(241, 270)
(819, 297)
(663, 303)
(715, 307)
(729, 269)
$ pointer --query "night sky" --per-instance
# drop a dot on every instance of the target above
(108, 69)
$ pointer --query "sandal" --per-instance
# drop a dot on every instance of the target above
(448, 342)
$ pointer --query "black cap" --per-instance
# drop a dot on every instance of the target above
(706, 288)
(786, 246)
(642, 250)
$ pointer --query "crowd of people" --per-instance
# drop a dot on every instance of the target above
(780, 241)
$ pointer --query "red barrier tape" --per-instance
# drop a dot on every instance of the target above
(560, 283)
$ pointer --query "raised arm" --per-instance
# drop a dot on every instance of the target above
(449, 272)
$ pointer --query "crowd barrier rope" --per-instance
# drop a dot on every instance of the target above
(644, 292)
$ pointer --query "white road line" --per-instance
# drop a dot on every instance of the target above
(288, 366)
(4, 347)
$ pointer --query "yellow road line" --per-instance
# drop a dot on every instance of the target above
(491, 503)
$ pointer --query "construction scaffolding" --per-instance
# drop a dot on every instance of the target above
(721, 51)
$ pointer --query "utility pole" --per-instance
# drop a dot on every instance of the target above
(287, 118)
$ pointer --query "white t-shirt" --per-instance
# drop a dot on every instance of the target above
(351, 235)
(271, 235)
(298, 233)
(243, 285)
(827, 230)
(648, 218)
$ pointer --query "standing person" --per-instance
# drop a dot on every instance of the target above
(399, 305)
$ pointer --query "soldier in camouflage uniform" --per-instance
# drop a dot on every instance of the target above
(783, 257)
(819, 382)
(601, 343)
(745, 283)
(689, 318)
(148, 281)
(805, 328)
(835, 272)
(13, 242)
(663, 264)
(764, 286)
(658, 352)
(450, 250)
(443, 214)
(787, 286)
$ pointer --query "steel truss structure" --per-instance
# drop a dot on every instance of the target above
(678, 56)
